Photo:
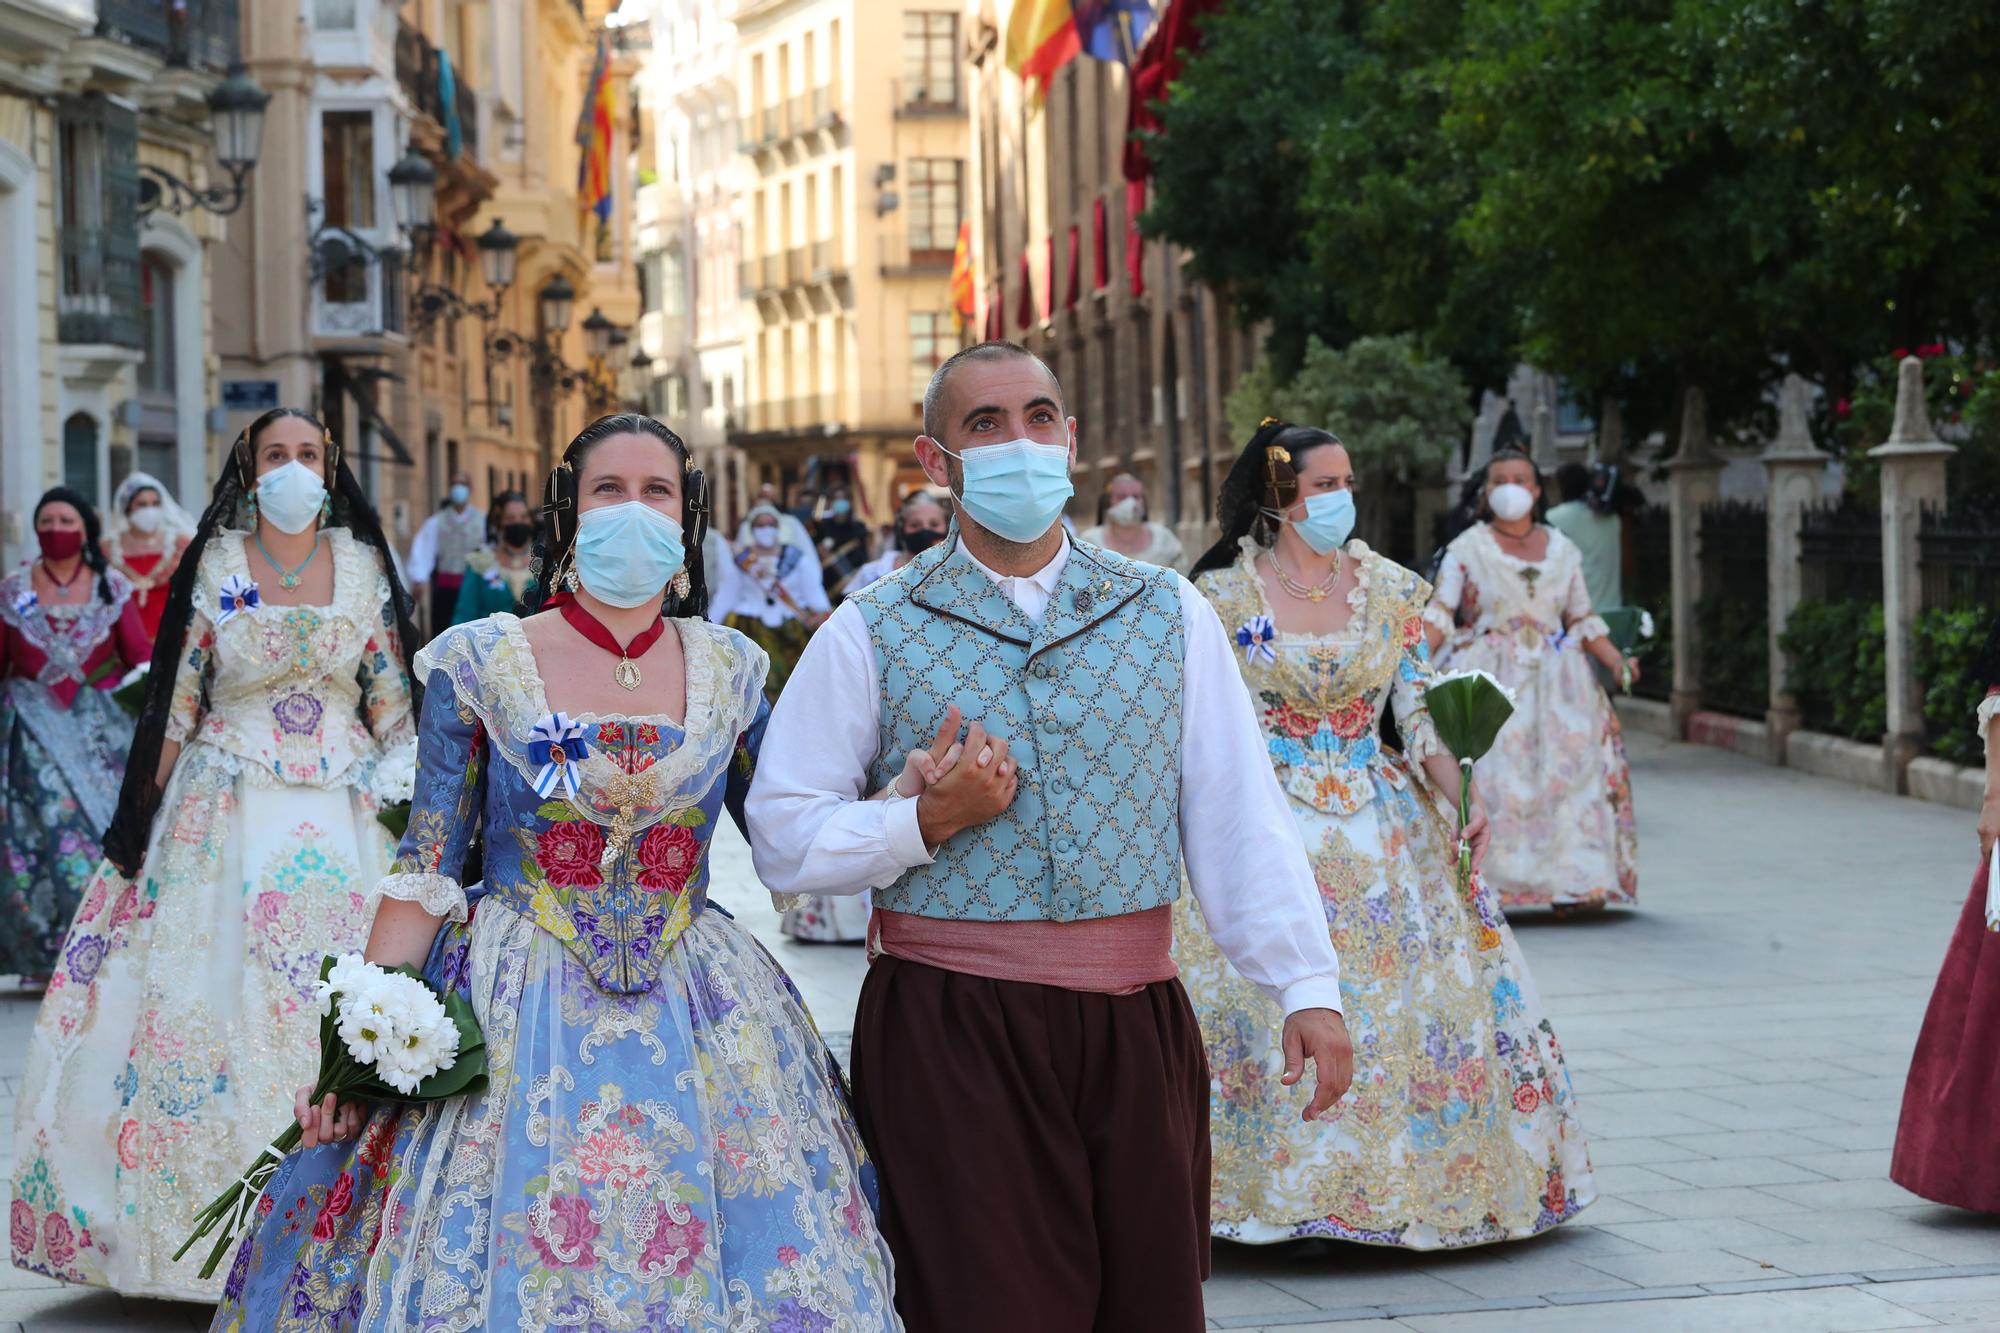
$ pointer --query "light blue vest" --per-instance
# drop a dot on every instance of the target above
(1089, 703)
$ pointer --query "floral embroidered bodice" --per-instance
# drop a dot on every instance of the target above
(1483, 590)
(63, 647)
(1320, 697)
(610, 856)
(301, 693)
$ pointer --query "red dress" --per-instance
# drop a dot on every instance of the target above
(1948, 1141)
(151, 602)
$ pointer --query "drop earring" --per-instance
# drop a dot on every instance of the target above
(680, 586)
(253, 508)
(325, 509)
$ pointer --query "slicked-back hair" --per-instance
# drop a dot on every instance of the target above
(996, 350)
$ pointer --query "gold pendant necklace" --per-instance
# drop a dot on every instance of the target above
(626, 673)
(1316, 593)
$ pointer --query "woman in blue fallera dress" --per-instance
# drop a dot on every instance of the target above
(664, 1142)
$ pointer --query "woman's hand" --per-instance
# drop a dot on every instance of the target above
(1478, 831)
(1631, 676)
(325, 1123)
(924, 767)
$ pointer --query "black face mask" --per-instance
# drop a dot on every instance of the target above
(918, 540)
(517, 534)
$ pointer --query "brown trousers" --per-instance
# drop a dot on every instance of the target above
(1043, 1152)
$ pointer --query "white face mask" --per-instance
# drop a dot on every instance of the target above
(1511, 501)
(764, 537)
(1127, 512)
(146, 519)
(291, 496)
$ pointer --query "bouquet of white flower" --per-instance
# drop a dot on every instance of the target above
(1631, 633)
(394, 784)
(385, 1034)
(1467, 708)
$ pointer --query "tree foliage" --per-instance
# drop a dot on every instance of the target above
(1640, 195)
(1398, 412)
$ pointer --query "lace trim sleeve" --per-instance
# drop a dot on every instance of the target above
(1590, 627)
(1989, 708)
(440, 895)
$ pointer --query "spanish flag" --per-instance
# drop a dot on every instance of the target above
(964, 295)
(1041, 39)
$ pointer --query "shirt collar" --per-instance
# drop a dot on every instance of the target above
(1044, 578)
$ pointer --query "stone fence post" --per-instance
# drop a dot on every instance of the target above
(1795, 468)
(1913, 476)
(1695, 481)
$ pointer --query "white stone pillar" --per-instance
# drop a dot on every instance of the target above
(1542, 438)
(1694, 480)
(1795, 468)
(1913, 467)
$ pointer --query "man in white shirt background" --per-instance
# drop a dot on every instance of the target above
(442, 545)
(1028, 1073)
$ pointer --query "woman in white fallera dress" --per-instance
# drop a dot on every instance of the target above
(1511, 601)
(181, 1016)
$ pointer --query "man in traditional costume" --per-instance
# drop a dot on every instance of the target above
(1028, 1073)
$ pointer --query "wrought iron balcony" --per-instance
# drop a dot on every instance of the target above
(203, 34)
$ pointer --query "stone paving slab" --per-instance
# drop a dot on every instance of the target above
(1738, 1046)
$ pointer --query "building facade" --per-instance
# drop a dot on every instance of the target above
(854, 125)
(1145, 355)
(386, 324)
(106, 359)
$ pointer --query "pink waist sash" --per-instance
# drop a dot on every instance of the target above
(1113, 955)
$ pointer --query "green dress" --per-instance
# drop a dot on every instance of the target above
(489, 588)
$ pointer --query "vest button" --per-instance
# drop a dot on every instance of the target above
(1066, 846)
(1040, 668)
(1050, 726)
(1066, 905)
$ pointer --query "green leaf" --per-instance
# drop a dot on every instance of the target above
(559, 811)
(395, 818)
(1468, 712)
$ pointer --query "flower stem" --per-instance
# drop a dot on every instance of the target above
(1464, 816)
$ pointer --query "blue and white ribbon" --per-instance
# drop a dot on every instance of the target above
(26, 603)
(494, 578)
(239, 594)
(556, 743)
(1254, 638)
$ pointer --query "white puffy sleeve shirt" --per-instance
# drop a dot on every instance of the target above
(811, 831)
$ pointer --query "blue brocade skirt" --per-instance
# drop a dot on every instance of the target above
(680, 1159)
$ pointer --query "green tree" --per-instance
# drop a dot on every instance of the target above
(1399, 413)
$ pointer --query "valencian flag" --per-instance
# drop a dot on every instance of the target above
(964, 294)
(593, 137)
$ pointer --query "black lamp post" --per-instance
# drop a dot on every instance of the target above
(236, 118)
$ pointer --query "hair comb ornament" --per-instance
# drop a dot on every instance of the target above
(1281, 482)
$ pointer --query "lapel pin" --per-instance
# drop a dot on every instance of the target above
(1083, 599)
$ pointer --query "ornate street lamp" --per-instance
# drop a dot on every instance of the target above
(558, 300)
(597, 334)
(499, 252)
(236, 118)
(620, 354)
(413, 192)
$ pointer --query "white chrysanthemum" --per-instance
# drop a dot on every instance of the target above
(351, 974)
(396, 775)
(1645, 624)
(366, 1029)
(1486, 676)
(419, 1053)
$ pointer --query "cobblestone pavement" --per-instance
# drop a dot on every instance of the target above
(1739, 1046)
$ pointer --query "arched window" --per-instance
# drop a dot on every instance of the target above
(79, 438)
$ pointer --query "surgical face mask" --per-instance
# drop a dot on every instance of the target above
(460, 493)
(1329, 521)
(1127, 512)
(291, 496)
(764, 537)
(626, 553)
(841, 508)
(1015, 490)
(1510, 501)
(918, 540)
(145, 519)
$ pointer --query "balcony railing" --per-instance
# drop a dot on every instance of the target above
(136, 23)
(827, 260)
(98, 301)
(795, 266)
(800, 118)
(772, 272)
(825, 113)
(417, 72)
(912, 98)
(903, 257)
(204, 34)
(768, 121)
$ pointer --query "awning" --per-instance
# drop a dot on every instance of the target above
(344, 382)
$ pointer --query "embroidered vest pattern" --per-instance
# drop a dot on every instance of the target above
(1089, 703)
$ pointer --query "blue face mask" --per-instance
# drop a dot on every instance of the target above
(460, 493)
(291, 496)
(1015, 490)
(841, 508)
(1329, 521)
(625, 553)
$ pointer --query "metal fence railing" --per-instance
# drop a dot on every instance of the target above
(1732, 617)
